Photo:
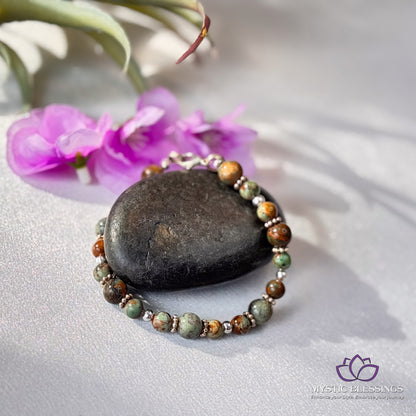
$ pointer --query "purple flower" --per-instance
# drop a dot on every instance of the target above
(357, 369)
(224, 137)
(144, 139)
(156, 130)
(52, 136)
(61, 134)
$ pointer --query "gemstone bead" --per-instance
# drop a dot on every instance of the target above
(151, 170)
(162, 322)
(279, 235)
(134, 308)
(98, 247)
(189, 326)
(249, 190)
(101, 271)
(100, 226)
(275, 289)
(114, 291)
(215, 329)
(261, 309)
(229, 172)
(241, 324)
(266, 211)
(282, 260)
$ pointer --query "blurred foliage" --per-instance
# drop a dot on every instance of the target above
(100, 26)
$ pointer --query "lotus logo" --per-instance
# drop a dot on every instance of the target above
(357, 368)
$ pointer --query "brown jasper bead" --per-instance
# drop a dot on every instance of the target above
(114, 291)
(275, 289)
(279, 235)
(98, 247)
(229, 172)
(215, 329)
(241, 324)
(151, 170)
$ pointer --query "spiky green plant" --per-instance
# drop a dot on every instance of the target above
(99, 25)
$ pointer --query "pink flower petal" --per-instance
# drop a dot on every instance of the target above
(82, 141)
(28, 153)
(60, 119)
(163, 99)
(145, 117)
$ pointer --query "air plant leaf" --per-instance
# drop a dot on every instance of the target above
(174, 5)
(160, 15)
(191, 17)
(79, 15)
(114, 49)
(20, 71)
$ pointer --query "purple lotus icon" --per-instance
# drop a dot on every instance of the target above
(357, 369)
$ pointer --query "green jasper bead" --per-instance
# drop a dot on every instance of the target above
(282, 260)
(162, 322)
(261, 310)
(266, 211)
(249, 190)
(134, 308)
(100, 226)
(101, 271)
(189, 326)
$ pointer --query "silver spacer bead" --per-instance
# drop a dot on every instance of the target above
(205, 329)
(175, 321)
(228, 328)
(280, 274)
(239, 182)
(216, 163)
(280, 249)
(126, 298)
(100, 260)
(269, 299)
(148, 315)
(257, 200)
(273, 221)
(106, 279)
(165, 163)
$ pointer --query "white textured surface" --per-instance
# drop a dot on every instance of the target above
(331, 89)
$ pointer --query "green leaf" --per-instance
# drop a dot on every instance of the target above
(19, 69)
(79, 15)
(173, 6)
(116, 52)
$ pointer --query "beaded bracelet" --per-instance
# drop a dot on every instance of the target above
(189, 325)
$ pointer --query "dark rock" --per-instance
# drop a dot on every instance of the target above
(183, 229)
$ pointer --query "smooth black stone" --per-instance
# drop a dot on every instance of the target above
(183, 229)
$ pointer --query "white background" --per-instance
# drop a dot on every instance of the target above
(330, 86)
